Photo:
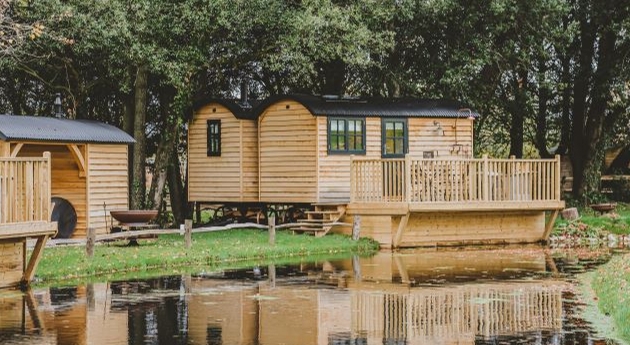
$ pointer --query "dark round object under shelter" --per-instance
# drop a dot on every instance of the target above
(66, 217)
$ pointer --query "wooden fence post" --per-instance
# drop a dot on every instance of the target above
(486, 178)
(356, 227)
(272, 230)
(557, 181)
(188, 233)
(89, 245)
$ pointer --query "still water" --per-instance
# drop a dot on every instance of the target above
(511, 295)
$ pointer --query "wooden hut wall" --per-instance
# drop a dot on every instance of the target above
(288, 145)
(334, 170)
(66, 182)
(11, 262)
(424, 137)
(108, 182)
(232, 176)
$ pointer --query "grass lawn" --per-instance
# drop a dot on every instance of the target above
(592, 224)
(168, 253)
(611, 283)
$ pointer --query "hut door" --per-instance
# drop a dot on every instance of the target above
(394, 145)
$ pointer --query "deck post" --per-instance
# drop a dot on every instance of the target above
(353, 180)
(401, 227)
(272, 230)
(549, 225)
(556, 181)
(188, 232)
(486, 178)
(89, 244)
(356, 227)
(407, 181)
(36, 255)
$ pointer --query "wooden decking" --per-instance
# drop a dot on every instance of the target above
(24, 213)
(456, 191)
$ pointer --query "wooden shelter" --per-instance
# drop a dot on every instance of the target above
(404, 164)
(89, 166)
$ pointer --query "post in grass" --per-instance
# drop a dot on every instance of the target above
(188, 233)
(272, 230)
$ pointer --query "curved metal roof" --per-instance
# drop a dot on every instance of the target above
(240, 110)
(40, 128)
(339, 106)
(381, 107)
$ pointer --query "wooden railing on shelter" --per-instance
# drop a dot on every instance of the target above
(419, 180)
(25, 189)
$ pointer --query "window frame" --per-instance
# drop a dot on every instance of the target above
(213, 136)
(405, 137)
(346, 135)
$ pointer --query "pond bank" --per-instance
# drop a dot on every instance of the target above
(168, 252)
(610, 284)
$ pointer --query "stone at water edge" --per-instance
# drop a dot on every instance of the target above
(570, 213)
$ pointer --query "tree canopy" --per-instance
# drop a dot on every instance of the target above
(548, 76)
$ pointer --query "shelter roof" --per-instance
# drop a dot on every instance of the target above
(52, 129)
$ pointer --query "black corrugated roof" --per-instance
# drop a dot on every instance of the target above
(385, 107)
(235, 106)
(39, 128)
(336, 106)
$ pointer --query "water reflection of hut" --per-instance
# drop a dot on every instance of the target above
(456, 314)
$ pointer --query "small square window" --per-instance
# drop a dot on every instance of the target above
(346, 136)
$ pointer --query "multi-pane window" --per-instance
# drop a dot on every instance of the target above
(346, 135)
(394, 137)
(214, 137)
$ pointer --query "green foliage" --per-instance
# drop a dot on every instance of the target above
(208, 249)
(593, 225)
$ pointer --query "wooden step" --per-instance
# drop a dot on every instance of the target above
(321, 212)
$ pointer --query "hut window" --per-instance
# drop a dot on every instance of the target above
(394, 137)
(214, 138)
(346, 135)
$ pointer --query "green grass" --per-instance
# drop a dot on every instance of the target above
(611, 283)
(592, 224)
(169, 255)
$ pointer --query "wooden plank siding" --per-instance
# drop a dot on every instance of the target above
(334, 171)
(11, 261)
(232, 176)
(287, 134)
(66, 182)
(424, 138)
(108, 182)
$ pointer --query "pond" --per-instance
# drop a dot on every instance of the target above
(448, 296)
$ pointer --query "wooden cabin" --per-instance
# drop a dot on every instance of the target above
(222, 153)
(89, 166)
(404, 165)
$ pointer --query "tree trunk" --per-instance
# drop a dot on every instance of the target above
(519, 110)
(541, 118)
(587, 144)
(579, 144)
(168, 144)
(179, 202)
(138, 178)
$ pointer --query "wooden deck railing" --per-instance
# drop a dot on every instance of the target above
(418, 180)
(25, 189)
